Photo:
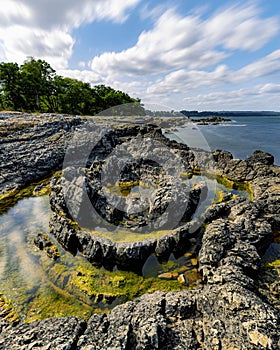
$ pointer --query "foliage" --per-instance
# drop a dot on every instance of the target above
(35, 87)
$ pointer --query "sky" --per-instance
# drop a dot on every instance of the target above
(180, 54)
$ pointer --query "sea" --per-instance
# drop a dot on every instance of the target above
(241, 136)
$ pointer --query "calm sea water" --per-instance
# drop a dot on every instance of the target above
(241, 137)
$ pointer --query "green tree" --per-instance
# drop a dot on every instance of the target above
(34, 86)
(106, 97)
(74, 96)
(10, 84)
(37, 83)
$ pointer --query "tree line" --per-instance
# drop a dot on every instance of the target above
(35, 87)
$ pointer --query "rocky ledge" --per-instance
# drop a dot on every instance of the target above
(228, 312)
(32, 147)
(102, 194)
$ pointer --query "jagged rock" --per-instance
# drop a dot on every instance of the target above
(33, 147)
(230, 310)
(43, 242)
(80, 194)
(261, 157)
(59, 334)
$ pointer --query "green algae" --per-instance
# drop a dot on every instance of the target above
(122, 235)
(51, 303)
(70, 285)
(186, 175)
(169, 265)
(227, 182)
(219, 197)
(124, 188)
(10, 198)
(8, 311)
(106, 286)
(274, 264)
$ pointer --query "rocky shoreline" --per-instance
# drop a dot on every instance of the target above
(228, 312)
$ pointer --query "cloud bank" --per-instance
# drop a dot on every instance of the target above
(182, 59)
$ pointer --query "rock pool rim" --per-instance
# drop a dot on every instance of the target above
(79, 152)
(132, 255)
(229, 311)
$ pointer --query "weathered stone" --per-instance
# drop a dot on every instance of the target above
(229, 311)
(33, 148)
(59, 334)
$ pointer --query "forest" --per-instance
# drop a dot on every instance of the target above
(35, 87)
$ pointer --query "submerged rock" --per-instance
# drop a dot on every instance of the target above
(43, 242)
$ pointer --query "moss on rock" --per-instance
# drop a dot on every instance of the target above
(7, 310)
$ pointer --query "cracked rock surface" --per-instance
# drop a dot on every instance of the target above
(228, 313)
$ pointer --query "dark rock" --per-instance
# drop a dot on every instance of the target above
(42, 241)
(80, 195)
(261, 157)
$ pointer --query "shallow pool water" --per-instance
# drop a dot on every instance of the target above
(120, 233)
(40, 287)
(27, 274)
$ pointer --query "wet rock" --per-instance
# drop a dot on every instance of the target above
(261, 157)
(81, 194)
(173, 275)
(43, 242)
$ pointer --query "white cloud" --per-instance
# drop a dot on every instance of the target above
(176, 42)
(87, 76)
(180, 57)
(18, 42)
(188, 80)
(270, 89)
(261, 97)
(42, 29)
(65, 14)
(82, 64)
(270, 64)
(185, 80)
(240, 28)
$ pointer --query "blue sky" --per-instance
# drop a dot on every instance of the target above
(184, 54)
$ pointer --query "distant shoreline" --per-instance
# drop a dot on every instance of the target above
(206, 114)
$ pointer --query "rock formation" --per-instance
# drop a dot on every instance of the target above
(228, 312)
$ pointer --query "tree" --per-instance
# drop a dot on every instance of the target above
(34, 86)
(74, 96)
(10, 86)
(36, 80)
(106, 97)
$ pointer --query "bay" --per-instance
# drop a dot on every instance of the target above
(242, 136)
